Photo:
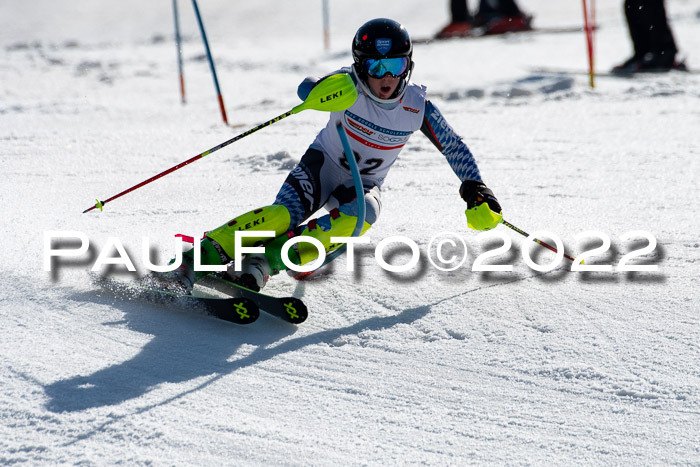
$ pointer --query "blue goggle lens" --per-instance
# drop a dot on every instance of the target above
(379, 68)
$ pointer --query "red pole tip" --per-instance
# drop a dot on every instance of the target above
(223, 109)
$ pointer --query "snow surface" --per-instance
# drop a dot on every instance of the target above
(421, 367)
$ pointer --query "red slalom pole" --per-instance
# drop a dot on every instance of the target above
(589, 41)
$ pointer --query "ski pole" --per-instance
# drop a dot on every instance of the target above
(332, 94)
(211, 61)
(536, 240)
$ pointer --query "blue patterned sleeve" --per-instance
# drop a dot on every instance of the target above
(449, 143)
(311, 81)
(306, 86)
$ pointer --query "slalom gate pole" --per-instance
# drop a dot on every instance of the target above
(361, 207)
(356, 178)
(326, 26)
(589, 42)
(538, 241)
(211, 61)
(332, 94)
(178, 45)
(593, 26)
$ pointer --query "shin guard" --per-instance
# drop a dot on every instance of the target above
(275, 218)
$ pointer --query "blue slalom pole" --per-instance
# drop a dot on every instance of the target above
(357, 180)
(178, 44)
(359, 192)
(211, 61)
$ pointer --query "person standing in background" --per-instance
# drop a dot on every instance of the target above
(654, 47)
(493, 17)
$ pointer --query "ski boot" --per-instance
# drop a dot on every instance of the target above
(180, 281)
(254, 272)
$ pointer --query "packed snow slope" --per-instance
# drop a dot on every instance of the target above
(417, 367)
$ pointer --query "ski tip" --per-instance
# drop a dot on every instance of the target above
(296, 311)
(243, 311)
(236, 310)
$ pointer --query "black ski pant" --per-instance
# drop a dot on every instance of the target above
(649, 29)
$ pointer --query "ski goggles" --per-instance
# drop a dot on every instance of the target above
(379, 68)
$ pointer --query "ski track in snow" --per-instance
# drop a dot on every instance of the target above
(422, 367)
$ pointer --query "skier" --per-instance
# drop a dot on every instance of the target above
(389, 108)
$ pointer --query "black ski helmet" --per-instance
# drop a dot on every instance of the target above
(382, 38)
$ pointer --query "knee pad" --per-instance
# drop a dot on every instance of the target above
(373, 205)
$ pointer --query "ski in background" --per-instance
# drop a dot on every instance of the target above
(478, 33)
(680, 69)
